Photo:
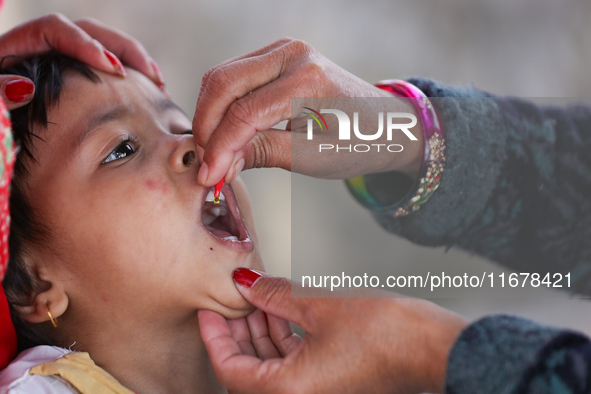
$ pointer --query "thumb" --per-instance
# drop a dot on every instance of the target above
(271, 295)
(269, 148)
(16, 91)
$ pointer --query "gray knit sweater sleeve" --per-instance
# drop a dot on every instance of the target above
(515, 189)
(516, 184)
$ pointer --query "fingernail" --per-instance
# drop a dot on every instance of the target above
(115, 62)
(18, 90)
(159, 74)
(237, 168)
(245, 277)
(203, 172)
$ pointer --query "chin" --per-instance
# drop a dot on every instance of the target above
(238, 313)
(235, 311)
(236, 306)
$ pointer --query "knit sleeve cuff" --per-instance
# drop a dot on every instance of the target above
(497, 353)
(475, 147)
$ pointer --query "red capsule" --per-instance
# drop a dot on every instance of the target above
(217, 191)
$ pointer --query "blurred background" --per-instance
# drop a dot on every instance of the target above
(531, 48)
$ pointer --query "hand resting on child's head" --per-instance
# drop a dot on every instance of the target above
(107, 227)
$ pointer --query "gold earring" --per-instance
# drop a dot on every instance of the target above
(53, 321)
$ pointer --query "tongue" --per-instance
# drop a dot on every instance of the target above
(219, 233)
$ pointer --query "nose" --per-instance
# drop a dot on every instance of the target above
(184, 156)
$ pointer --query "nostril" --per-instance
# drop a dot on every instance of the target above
(189, 158)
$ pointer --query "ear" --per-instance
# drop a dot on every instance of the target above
(50, 292)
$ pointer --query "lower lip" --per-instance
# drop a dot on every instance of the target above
(226, 239)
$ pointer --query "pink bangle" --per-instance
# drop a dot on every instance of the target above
(433, 156)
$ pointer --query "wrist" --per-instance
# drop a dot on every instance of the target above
(410, 162)
(441, 338)
(421, 338)
(424, 174)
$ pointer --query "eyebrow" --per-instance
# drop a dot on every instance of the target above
(116, 113)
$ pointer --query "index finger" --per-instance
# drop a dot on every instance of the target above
(129, 50)
(233, 369)
(55, 31)
(230, 80)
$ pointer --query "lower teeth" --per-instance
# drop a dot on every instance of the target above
(232, 238)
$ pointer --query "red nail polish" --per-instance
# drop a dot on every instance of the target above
(115, 62)
(18, 90)
(245, 277)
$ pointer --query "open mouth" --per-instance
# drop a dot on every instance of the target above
(223, 220)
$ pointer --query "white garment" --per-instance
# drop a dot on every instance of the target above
(15, 378)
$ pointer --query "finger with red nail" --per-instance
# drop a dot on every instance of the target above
(355, 344)
(87, 40)
(16, 91)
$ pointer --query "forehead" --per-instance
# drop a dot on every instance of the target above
(82, 100)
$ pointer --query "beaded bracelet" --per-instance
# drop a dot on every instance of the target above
(433, 156)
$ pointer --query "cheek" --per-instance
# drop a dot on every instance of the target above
(156, 185)
(126, 237)
(115, 231)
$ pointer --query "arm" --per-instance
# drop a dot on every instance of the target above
(514, 186)
(513, 191)
(463, 198)
(483, 205)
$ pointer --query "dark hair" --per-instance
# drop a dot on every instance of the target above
(48, 71)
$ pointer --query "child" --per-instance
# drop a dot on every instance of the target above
(114, 246)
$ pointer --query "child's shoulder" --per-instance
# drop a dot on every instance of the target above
(15, 378)
(55, 370)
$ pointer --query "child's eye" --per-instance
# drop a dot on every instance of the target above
(123, 150)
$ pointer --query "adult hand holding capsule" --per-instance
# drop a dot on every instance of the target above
(242, 98)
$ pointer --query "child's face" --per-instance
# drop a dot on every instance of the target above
(116, 184)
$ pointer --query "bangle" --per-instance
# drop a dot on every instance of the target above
(433, 156)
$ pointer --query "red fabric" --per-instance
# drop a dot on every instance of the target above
(7, 333)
